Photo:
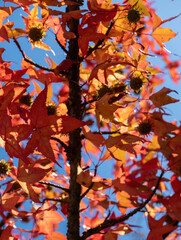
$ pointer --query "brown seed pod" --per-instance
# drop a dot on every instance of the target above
(133, 16)
(136, 83)
(35, 34)
(144, 128)
(26, 99)
(51, 109)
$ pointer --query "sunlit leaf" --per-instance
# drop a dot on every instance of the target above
(161, 98)
(161, 35)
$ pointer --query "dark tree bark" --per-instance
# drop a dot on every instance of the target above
(74, 147)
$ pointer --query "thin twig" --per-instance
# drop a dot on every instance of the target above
(54, 199)
(54, 185)
(106, 132)
(100, 41)
(62, 47)
(61, 143)
(30, 61)
(112, 222)
(88, 189)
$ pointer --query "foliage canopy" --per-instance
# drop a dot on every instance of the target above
(60, 122)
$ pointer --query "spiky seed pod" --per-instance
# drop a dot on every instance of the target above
(35, 34)
(4, 167)
(133, 16)
(136, 83)
(26, 99)
(144, 128)
(51, 109)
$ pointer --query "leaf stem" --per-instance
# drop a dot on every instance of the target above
(54, 185)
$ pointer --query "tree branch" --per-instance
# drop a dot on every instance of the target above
(54, 185)
(113, 222)
(30, 61)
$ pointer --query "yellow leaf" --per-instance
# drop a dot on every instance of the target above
(34, 12)
(161, 35)
(123, 199)
(49, 93)
(42, 46)
(16, 32)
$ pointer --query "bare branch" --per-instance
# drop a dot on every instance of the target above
(62, 47)
(30, 61)
(112, 222)
(54, 185)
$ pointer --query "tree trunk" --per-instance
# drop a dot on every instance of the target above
(74, 148)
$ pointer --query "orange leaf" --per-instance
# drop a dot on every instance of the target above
(32, 173)
(46, 219)
(157, 21)
(123, 199)
(57, 236)
(161, 98)
(161, 35)
(3, 14)
(96, 139)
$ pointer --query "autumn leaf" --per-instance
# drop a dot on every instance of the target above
(161, 98)
(56, 236)
(44, 126)
(158, 229)
(64, 66)
(124, 142)
(161, 35)
(29, 174)
(46, 218)
(32, 173)
(97, 139)
(4, 33)
(84, 177)
(6, 233)
(106, 108)
(9, 201)
(157, 21)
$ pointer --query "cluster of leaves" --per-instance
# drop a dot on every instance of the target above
(118, 95)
